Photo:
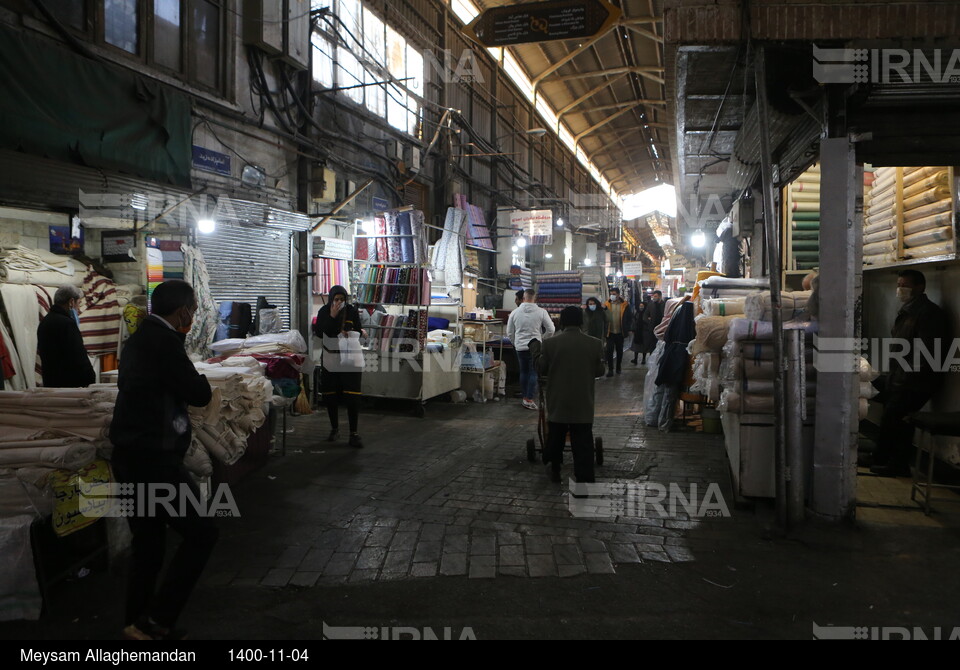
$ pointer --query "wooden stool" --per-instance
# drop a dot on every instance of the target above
(931, 424)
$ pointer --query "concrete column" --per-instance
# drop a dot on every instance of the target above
(841, 273)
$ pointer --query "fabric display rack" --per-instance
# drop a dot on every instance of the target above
(330, 272)
(802, 212)
(477, 230)
(556, 290)
(909, 215)
(398, 362)
(595, 285)
(519, 278)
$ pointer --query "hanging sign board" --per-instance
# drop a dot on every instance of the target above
(632, 269)
(536, 226)
(542, 22)
(118, 247)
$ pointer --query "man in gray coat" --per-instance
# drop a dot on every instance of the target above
(570, 361)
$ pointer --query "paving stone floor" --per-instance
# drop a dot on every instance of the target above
(454, 495)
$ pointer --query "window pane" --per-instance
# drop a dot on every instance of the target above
(69, 12)
(120, 24)
(349, 73)
(374, 57)
(322, 61)
(396, 52)
(397, 107)
(205, 43)
(415, 86)
(166, 33)
(349, 14)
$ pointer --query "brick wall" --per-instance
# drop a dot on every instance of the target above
(717, 21)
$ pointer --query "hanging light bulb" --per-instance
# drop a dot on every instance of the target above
(587, 261)
(698, 239)
(619, 274)
(515, 248)
(560, 222)
(206, 225)
(521, 242)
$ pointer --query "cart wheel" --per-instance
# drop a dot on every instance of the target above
(598, 447)
(531, 450)
(419, 410)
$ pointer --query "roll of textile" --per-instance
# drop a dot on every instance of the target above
(883, 188)
(805, 216)
(883, 200)
(885, 225)
(928, 222)
(805, 235)
(805, 187)
(749, 329)
(933, 181)
(928, 237)
(808, 196)
(67, 457)
(765, 386)
(884, 218)
(792, 303)
(806, 255)
(406, 242)
(23, 313)
(911, 175)
(879, 259)
(807, 265)
(711, 333)
(806, 225)
(884, 178)
(929, 250)
(927, 197)
(805, 245)
(880, 236)
(805, 206)
(928, 210)
(722, 306)
(884, 247)
(763, 351)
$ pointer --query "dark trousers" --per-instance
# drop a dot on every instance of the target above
(149, 529)
(896, 435)
(581, 443)
(528, 376)
(614, 342)
(342, 388)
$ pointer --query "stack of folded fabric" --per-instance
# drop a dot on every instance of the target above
(241, 396)
(20, 265)
(520, 278)
(556, 290)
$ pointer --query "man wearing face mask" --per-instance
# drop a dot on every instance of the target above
(150, 434)
(919, 323)
(619, 325)
(63, 358)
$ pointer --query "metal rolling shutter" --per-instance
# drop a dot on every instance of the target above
(246, 262)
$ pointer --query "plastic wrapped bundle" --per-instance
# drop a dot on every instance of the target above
(711, 333)
(927, 223)
(928, 237)
(929, 250)
(757, 307)
(885, 247)
(722, 306)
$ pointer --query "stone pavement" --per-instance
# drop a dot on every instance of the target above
(453, 494)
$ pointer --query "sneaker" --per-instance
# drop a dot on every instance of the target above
(355, 441)
(333, 436)
(529, 404)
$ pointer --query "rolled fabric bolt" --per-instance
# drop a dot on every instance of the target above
(928, 210)
(928, 222)
(933, 181)
(928, 237)
(911, 175)
(884, 247)
(880, 236)
(929, 250)
(927, 197)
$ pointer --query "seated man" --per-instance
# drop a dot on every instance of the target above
(570, 361)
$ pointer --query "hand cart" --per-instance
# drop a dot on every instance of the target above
(542, 432)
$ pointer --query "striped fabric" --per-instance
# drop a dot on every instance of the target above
(100, 315)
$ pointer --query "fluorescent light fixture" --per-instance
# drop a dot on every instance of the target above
(521, 242)
(139, 201)
(698, 239)
(548, 256)
(206, 225)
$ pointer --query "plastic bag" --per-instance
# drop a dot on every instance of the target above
(351, 351)
(650, 385)
(270, 321)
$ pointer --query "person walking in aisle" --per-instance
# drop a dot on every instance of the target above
(340, 381)
(652, 316)
(151, 433)
(619, 322)
(63, 358)
(570, 361)
(526, 323)
(636, 344)
(595, 319)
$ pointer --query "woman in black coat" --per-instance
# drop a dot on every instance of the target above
(334, 318)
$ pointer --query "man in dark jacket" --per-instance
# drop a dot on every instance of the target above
(340, 384)
(151, 433)
(570, 360)
(919, 323)
(63, 358)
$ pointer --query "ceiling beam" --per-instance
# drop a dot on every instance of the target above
(589, 94)
(580, 136)
(626, 69)
(646, 33)
(618, 105)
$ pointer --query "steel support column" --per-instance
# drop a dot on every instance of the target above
(841, 269)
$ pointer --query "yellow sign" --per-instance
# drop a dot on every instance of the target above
(73, 493)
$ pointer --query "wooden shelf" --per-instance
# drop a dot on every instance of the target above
(942, 258)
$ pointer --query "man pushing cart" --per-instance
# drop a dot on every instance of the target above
(570, 361)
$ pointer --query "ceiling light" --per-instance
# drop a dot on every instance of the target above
(548, 256)
(587, 261)
(698, 239)
(560, 222)
(515, 248)
(206, 225)
(619, 273)
(521, 242)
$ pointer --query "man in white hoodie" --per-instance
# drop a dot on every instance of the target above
(526, 323)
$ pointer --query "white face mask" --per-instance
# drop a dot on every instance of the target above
(904, 294)
(593, 308)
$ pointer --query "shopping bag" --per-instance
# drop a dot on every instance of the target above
(351, 351)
